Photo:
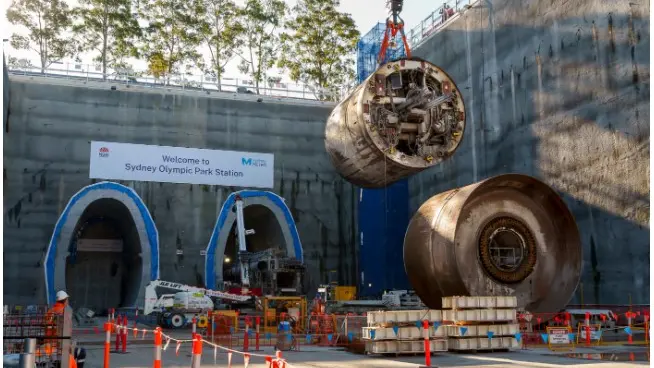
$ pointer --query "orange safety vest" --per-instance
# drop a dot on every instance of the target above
(50, 345)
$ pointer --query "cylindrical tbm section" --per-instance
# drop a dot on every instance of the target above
(510, 235)
(406, 117)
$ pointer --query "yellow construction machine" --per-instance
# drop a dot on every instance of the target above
(276, 309)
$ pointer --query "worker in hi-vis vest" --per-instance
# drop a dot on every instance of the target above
(76, 358)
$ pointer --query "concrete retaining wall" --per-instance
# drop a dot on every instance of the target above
(46, 157)
(5, 93)
(559, 90)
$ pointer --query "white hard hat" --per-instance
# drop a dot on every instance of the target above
(61, 295)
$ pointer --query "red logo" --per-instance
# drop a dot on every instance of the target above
(104, 152)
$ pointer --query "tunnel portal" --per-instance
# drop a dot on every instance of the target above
(104, 264)
(274, 229)
(104, 249)
(267, 234)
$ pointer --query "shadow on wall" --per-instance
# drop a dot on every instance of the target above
(559, 90)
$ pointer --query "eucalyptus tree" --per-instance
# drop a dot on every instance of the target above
(318, 47)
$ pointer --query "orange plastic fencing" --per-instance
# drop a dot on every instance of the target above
(617, 327)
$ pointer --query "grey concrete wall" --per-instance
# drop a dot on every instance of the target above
(5, 93)
(559, 90)
(46, 158)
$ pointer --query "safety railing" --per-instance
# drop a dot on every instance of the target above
(588, 329)
(243, 335)
(437, 19)
(186, 82)
(199, 346)
(42, 337)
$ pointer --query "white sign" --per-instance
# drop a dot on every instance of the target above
(559, 336)
(595, 333)
(139, 162)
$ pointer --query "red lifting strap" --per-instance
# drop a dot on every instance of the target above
(391, 31)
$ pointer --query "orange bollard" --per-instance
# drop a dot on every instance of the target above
(107, 343)
(630, 338)
(124, 330)
(119, 334)
(157, 347)
(209, 330)
(425, 335)
(193, 327)
(646, 329)
(246, 338)
(197, 351)
(280, 362)
(587, 322)
(257, 321)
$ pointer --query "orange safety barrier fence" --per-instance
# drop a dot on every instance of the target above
(196, 342)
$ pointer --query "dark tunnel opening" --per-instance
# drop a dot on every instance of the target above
(267, 235)
(104, 265)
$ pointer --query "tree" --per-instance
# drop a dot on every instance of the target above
(221, 31)
(46, 22)
(122, 70)
(109, 28)
(170, 39)
(317, 47)
(21, 63)
(158, 65)
(261, 18)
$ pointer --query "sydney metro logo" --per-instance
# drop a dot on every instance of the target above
(247, 161)
(104, 152)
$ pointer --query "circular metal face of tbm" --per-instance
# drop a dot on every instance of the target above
(405, 117)
(510, 235)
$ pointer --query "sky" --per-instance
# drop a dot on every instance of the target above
(366, 13)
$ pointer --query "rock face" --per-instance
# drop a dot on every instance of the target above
(558, 90)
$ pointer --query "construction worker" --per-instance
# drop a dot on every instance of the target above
(78, 355)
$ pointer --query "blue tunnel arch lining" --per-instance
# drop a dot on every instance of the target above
(210, 266)
(150, 228)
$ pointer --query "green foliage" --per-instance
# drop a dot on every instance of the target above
(171, 39)
(158, 65)
(21, 63)
(221, 29)
(261, 20)
(46, 22)
(316, 46)
(109, 28)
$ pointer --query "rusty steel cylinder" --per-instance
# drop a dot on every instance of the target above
(510, 235)
(404, 118)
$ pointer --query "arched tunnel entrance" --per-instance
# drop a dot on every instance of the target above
(265, 234)
(104, 249)
(104, 265)
(272, 230)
